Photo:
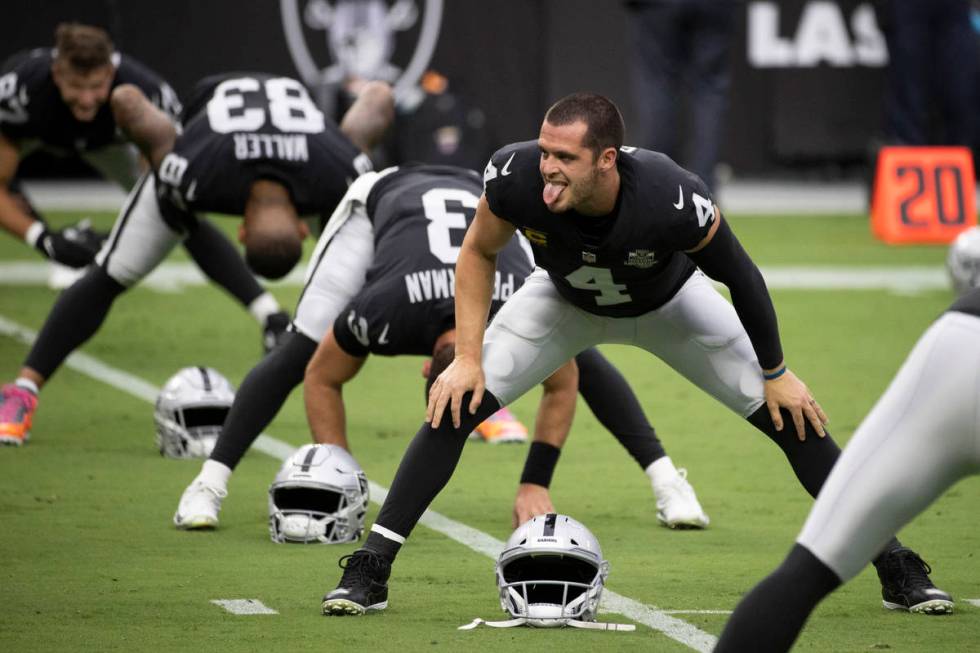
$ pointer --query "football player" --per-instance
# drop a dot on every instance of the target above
(253, 145)
(381, 281)
(921, 437)
(57, 99)
(619, 235)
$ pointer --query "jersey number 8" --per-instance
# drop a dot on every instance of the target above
(290, 108)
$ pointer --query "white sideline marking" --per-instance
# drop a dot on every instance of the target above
(975, 602)
(676, 629)
(697, 611)
(174, 277)
(244, 606)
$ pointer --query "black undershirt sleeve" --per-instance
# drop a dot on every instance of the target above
(724, 260)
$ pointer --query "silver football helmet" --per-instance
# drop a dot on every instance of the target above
(319, 495)
(551, 571)
(963, 261)
(190, 411)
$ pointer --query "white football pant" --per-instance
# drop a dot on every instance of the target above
(697, 332)
(921, 437)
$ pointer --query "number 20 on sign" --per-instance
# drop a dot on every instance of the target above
(923, 194)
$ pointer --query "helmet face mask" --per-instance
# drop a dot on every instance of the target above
(320, 495)
(963, 261)
(551, 571)
(190, 412)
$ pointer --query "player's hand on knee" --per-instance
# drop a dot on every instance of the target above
(789, 392)
(462, 376)
(532, 500)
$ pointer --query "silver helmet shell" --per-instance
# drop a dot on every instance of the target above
(963, 261)
(190, 412)
(551, 571)
(320, 495)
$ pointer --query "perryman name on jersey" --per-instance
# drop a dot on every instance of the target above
(440, 283)
(288, 147)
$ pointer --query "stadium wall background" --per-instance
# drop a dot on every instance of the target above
(806, 88)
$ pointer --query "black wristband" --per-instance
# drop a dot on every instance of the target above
(540, 464)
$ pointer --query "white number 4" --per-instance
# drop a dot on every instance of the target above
(599, 280)
(706, 210)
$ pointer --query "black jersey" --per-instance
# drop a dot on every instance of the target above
(241, 127)
(968, 303)
(31, 106)
(620, 265)
(420, 215)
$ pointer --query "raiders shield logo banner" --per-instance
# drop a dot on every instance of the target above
(335, 40)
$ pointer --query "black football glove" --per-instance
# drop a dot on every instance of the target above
(74, 246)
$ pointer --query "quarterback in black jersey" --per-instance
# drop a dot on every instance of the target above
(390, 249)
(58, 100)
(271, 187)
(616, 233)
(921, 437)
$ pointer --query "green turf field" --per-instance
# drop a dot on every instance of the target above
(91, 561)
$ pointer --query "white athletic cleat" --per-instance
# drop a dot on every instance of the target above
(199, 506)
(677, 505)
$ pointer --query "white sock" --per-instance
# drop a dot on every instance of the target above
(214, 474)
(27, 384)
(661, 471)
(263, 306)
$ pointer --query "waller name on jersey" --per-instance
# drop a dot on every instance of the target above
(440, 283)
(288, 147)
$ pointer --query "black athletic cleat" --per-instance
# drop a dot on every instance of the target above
(274, 330)
(905, 584)
(362, 588)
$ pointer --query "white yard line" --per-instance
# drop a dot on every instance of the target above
(975, 602)
(173, 277)
(244, 606)
(677, 629)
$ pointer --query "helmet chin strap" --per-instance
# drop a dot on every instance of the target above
(573, 623)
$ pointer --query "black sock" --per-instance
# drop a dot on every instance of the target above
(612, 401)
(381, 545)
(261, 395)
(427, 466)
(220, 261)
(75, 317)
(770, 617)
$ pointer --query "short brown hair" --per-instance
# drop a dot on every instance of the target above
(601, 116)
(83, 47)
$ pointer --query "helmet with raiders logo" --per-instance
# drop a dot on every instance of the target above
(963, 261)
(190, 411)
(551, 572)
(319, 495)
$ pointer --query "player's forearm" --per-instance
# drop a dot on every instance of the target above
(13, 218)
(325, 412)
(725, 260)
(143, 123)
(474, 291)
(555, 414)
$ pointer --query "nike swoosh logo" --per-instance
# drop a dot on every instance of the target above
(383, 338)
(506, 169)
(679, 204)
